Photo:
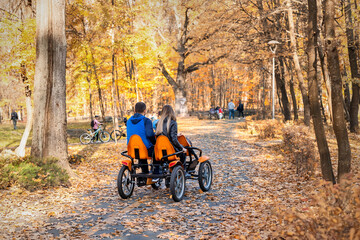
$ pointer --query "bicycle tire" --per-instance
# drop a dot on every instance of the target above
(85, 138)
(104, 136)
(118, 134)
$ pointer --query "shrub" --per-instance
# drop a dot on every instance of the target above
(269, 128)
(299, 144)
(334, 213)
(31, 173)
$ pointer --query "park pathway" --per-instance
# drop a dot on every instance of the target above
(152, 214)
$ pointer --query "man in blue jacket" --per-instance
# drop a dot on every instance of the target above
(142, 126)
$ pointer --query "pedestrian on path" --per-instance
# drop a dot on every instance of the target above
(240, 108)
(14, 118)
(231, 107)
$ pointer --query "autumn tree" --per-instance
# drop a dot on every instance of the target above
(339, 124)
(323, 148)
(19, 25)
(298, 68)
(49, 127)
(189, 41)
(353, 46)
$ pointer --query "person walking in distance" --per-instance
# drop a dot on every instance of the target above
(240, 108)
(231, 107)
(14, 118)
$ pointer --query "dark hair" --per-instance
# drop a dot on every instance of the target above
(140, 107)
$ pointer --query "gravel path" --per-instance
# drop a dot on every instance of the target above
(152, 214)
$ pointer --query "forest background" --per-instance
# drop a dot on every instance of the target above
(193, 55)
(197, 55)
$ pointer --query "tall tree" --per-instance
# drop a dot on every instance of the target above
(323, 148)
(113, 87)
(298, 70)
(355, 75)
(189, 43)
(49, 134)
(280, 83)
(339, 123)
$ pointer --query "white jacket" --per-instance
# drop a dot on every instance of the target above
(231, 105)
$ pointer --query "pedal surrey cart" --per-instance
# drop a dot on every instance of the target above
(170, 168)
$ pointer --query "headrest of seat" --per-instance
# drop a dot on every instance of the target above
(135, 146)
(183, 141)
(162, 145)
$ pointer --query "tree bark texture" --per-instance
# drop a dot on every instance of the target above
(292, 90)
(49, 127)
(88, 79)
(101, 102)
(353, 59)
(20, 150)
(297, 66)
(280, 83)
(323, 148)
(113, 89)
(323, 58)
(339, 124)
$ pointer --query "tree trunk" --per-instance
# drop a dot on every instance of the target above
(280, 83)
(323, 148)
(212, 88)
(119, 106)
(20, 150)
(347, 101)
(101, 102)
(339, 124)
(49, 135)
(353, 59)
(115, 115)
(292, 91)
(323, 58)
(354, 108)
(88, 79)
(178, 87)
(297, 66)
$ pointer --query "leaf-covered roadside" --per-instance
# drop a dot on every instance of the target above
(256, 194)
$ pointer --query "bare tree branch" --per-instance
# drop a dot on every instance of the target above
(197, 65)
(166, 74)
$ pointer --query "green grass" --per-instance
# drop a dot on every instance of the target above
(10, 138)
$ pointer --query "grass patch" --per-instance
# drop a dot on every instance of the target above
(30, 173)
(10, 138)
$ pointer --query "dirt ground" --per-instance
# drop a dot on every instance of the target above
(252, 186)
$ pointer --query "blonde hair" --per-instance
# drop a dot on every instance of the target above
(166, 113)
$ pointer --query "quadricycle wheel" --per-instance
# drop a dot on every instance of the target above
(205, 176)
(125, 182)
(177, 183)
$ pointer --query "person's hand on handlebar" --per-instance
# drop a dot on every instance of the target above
(184, 150)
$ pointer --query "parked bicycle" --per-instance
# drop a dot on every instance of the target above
(90, 136)
(118, 133)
